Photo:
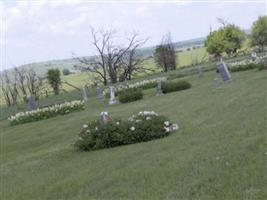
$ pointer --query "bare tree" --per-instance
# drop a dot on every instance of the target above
(34, 83)
(132, 60)
(9, 89)
(22, 82)
(165, 55)
(110, 62)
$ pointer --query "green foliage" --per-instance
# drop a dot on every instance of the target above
(227, 39)
(247, 67)
(53, 77)
(140, 128)
(175, 86)
(259, 32)
(129, 95)
(66, 72)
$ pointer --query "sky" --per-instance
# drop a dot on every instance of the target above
(34, 31)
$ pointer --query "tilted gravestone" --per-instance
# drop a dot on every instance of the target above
(159, 89)
(99, 93)
(223, 70)
(32, 104)
(112, 99)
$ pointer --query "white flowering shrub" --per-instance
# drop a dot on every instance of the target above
(247, 61)
(144, 126)
(47, 112)
(144, 84)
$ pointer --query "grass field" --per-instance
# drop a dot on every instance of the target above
(219, 152)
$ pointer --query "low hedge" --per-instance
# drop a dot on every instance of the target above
(246, 67)
(129, 95)
(143, 127)
(175, 86)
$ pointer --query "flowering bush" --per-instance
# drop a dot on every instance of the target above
(144, 84)
(129, 95)
(47, 112)
(175, 86)
(259, 59)
(144, 126)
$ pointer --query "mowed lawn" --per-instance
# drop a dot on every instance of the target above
(219, 152)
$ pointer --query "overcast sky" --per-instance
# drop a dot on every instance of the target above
(40, 31)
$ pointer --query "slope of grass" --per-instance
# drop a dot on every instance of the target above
(218, 153)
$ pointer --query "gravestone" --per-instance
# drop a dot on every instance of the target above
(223, 70)
(159, 90)
(112, 99)
(200, 71)
(85, 93)
(32, 104)
(253, 56)
(104, 117)
(99, 93)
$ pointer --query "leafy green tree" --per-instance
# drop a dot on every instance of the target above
(53, 77)
(227, 39)
(259, 32)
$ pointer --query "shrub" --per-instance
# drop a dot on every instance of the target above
(129, 95)
(53, 77)
(66, 72)
(175, 86)
(246, 67)
(45, 113)
(145, 126)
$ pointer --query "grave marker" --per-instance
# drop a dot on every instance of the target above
(112, 99)
(159, 89)
(223, 70)
(32, 104)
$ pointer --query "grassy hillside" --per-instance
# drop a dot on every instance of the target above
(218, 153)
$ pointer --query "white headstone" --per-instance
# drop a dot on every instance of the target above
(85, 93)
(112, 99)
(254, 56)
(104, 117)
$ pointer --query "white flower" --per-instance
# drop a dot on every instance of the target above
(96, 128)
(166, 123)
(132, 128)
(148, 118)
(85, 126)
(117, 123)
(167, 129)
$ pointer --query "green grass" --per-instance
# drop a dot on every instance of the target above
(218, 153)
